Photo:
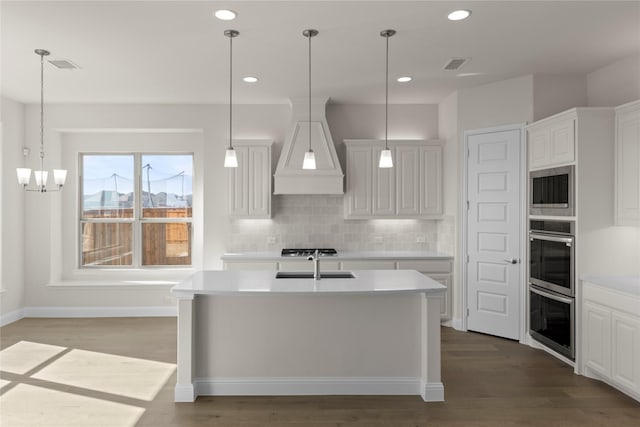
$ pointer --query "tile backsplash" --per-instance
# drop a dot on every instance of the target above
(318, 221)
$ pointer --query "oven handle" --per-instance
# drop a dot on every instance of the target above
(546, 237)
(553, 297)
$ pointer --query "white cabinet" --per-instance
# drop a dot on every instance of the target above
(359, 200)
(597, 342)
(627, 161)
(611, 337)
(411, 189)
(552, 142)
(249, 192)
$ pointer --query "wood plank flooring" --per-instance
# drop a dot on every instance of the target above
(488, 382)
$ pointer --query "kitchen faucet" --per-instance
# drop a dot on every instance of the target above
(316, 264)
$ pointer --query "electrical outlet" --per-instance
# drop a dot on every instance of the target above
(378, 239)
(272, 240)
(169, 300)
(420, 238)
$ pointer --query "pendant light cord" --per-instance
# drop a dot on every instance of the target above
(42, 113)
(386, 99)
(230, 90)
(309, 36)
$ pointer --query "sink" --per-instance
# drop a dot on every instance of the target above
(309, 275)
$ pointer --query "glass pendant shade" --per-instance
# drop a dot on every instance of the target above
(230, 158)
(386, 161)
(309, 160)
(41, 177)
(24, 176)
(59, 177)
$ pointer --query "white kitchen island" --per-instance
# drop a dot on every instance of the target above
(249, 333)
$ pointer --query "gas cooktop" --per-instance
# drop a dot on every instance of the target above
(306, 252)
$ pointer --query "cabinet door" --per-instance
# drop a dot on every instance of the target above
(628, 168)
(625, 351)
(431, 180)
(238, 180)
(552, 144)
(407, 180)
(359, 185)
(259, 182)
(384, 188)
(538, 141)
(597, 338)
(562, 142)
(445, 302)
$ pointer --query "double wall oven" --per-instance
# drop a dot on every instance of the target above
(551, 284)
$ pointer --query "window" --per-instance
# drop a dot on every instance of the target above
(129, 222)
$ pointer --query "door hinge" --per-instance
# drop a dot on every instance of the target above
(467, 312)
(467, 205)
(467, 259)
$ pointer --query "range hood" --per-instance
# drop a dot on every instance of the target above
(290, 178)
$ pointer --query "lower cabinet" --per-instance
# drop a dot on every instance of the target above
(611, 338)
(439, 270)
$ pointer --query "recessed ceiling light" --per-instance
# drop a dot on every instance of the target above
(458, 15)
(250, 79)
(404, 79)
(225, 14)
(468, 74)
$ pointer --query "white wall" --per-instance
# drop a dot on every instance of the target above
(554, 94)
(615, 84)
(11, 212)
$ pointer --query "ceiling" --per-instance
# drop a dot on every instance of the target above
(175, 51)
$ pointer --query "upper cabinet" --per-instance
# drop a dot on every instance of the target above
(627, 161)
(552, 142)
(411, 189)
(249, 192)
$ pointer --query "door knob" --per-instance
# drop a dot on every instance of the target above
(511, 260)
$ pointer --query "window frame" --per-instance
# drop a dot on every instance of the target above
(137, 220)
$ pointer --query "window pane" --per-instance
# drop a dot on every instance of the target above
(166, 243)
(107, 186)
(106, 243)
(166, 185)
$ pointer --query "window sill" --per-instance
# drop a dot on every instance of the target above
(124, 278)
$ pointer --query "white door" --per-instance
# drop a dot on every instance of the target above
(494, 282)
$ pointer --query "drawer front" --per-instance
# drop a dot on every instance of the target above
(250, 265)
(368, 265)
(426, 266)
(304, 265)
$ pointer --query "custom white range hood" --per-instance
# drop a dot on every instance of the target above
(290, 178)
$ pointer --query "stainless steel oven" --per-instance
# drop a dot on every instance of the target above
(552, 192)
(552, 255)
(551, 320)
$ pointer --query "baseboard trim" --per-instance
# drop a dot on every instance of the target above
(184, 393)
(11, 317)
(307, 386)
(161, 311)
(432, 392)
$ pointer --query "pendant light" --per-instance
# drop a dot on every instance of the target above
(230, 158)
(386, 161)
(24, 174)
(309, 157)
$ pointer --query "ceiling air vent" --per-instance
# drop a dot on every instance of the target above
(63, 64)
(455, 63)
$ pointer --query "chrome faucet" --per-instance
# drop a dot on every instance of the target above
(316, 264)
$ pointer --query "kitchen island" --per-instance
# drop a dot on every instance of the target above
(250, 333)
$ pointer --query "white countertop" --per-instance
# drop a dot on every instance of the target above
(261, 282)
(628, 284)
(342, 255)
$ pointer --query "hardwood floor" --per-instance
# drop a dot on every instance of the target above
(86, 371)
